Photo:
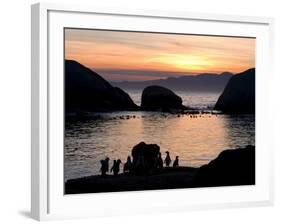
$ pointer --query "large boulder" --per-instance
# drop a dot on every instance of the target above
(85, 90)
(231, 167)
(238, 96)
(145, 157)
(158, 98)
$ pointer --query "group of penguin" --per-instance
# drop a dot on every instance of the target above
(128, 165)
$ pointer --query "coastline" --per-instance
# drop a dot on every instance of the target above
(230, 168)
(167, 178)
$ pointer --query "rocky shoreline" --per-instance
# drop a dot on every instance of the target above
(86, 91)
(230, 168)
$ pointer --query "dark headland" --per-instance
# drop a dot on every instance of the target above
(238, 96)
(230, 168)
(87, 91)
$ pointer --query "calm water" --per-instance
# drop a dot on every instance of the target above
(195, 140)
(199, 100)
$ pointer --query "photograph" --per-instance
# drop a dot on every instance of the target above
(157, 111)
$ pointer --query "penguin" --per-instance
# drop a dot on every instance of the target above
(167, 160)
(103, 169)
(106, 161)
(159, 161)
(114, 164)
(176, 162)
(116, 167)
(128, 165)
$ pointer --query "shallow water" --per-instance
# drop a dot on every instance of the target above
(195, 140)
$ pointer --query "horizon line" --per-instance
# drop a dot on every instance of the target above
(114, 75)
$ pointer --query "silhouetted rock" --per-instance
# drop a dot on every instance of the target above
(160, 98)
(231, 167)
(239, 94)
(86, 90)
(145, 157)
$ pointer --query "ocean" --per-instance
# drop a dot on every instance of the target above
(195, 140)
(196, 100)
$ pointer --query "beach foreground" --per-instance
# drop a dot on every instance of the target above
(167, 178)
(230, 168)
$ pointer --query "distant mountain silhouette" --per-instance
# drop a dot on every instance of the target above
(239, 94)
(206, 82)
(87, 91)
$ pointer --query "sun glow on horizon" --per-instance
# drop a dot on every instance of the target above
(147, 56)
(185, 62)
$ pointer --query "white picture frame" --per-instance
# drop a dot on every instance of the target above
(48, 200)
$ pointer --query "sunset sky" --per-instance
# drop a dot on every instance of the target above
(136, 56)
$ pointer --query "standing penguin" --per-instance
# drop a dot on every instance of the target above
(103, 168)
(114, 164)
(176, 162)
(167, 160)
(106, 161)
(159, 161)
(128, 165)
(116, 167)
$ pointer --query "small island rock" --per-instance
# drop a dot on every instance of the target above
(158, 98)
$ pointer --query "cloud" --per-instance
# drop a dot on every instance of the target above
(160, 53)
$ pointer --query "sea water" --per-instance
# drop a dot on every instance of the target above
(196, 140)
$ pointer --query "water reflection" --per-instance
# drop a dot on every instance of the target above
(195, 140)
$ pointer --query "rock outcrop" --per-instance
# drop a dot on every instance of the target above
(158, 98)
(238, 96)
(85, 90)
(145, 157)
(231, 167)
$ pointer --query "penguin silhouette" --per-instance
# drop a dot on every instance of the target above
(128, 165)
(167, 160)
(114, 164)
(176, 162)
(116, 167)
(103, 169)
(159, 161)
(106, 164)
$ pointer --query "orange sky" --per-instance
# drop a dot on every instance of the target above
(145, 56)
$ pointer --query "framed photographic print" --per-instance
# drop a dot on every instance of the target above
(133, 110)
